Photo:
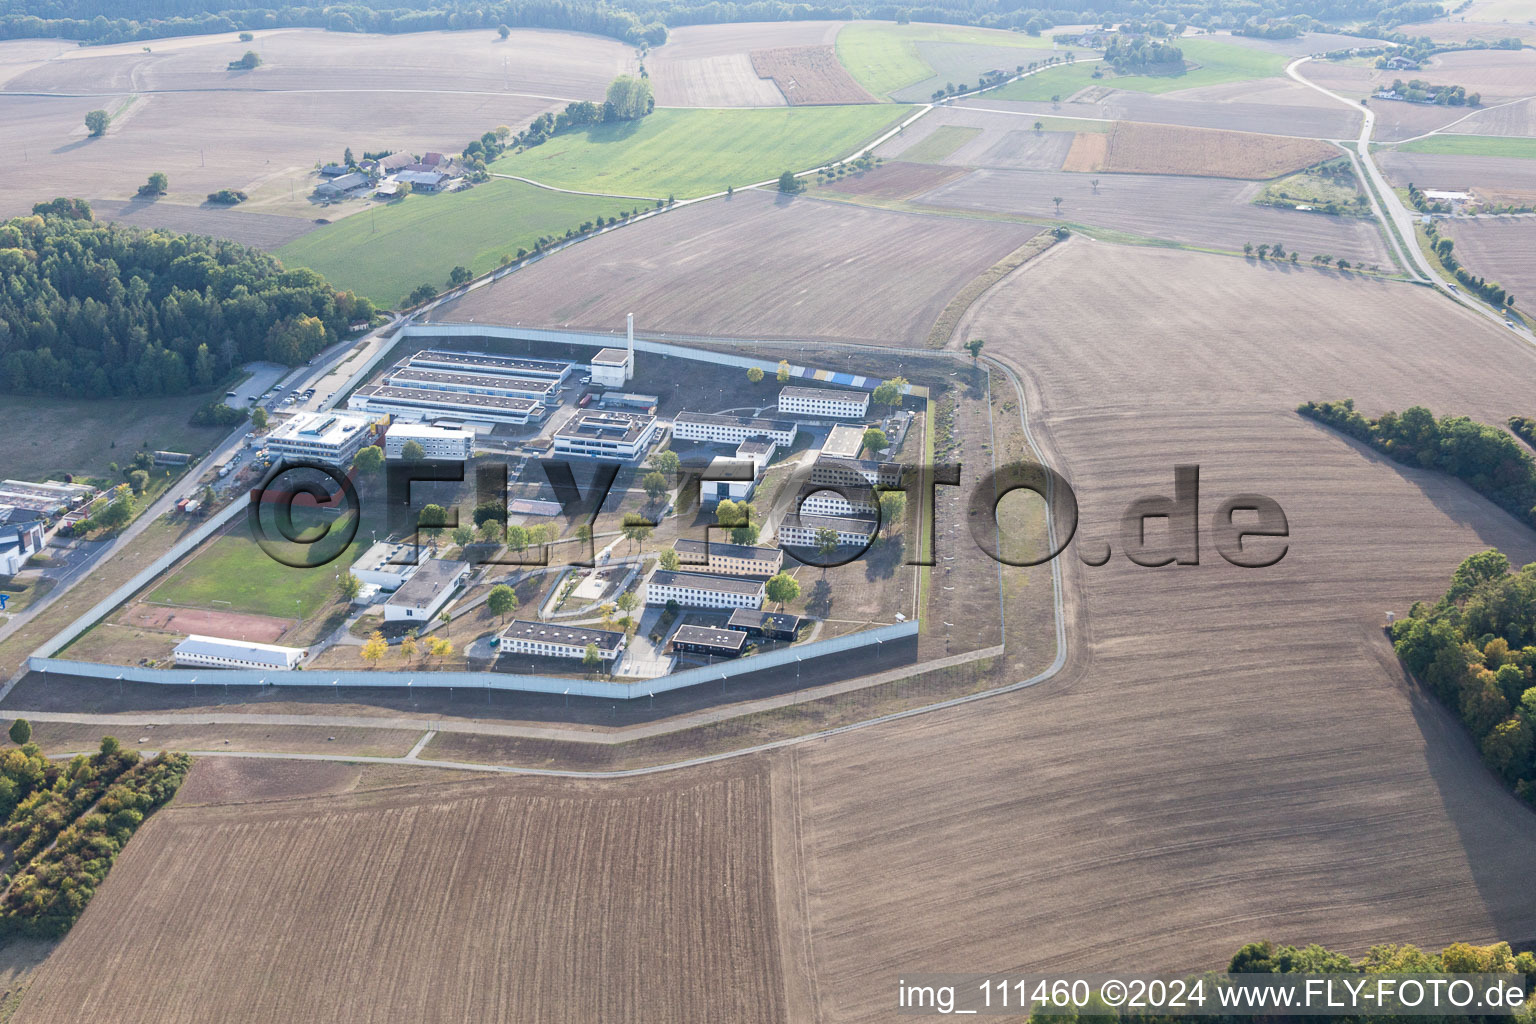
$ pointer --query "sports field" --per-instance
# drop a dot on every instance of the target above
(883, 57)
(687, 153)
(1473, 145)
(385, 252)
(1218, 62)
(233, 573)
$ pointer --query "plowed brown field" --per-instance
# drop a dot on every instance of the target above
(809, 75)
(1136, 148)
(1502, 250)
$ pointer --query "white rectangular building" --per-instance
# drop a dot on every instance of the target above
(728, 559)
(800, 530)
(436, 442)
(611, 368)
(716, 428)
(549, 640)
(846, 501)
(855, 472)
(330, 437)
(388, 564)
(606, 434)
(420, 404)
(699, 590)
(486, 363)
(216, 652)
(422, 596)
(823, 402)
(537, 389)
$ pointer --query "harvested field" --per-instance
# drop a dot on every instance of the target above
(711, 65)
(956, 63)
(1502, 250)
(262, 629)
(262, 230)
(965, 137)
(1205, 212)
(232, 780)
(889, 59)
(530, 899)
(1165, 149)
(1274, 112)
(65, 737)
(1300, 46)
(1462, 30)
(1495, 74)
(1517, 120)
(937, 144)
(895, 180)
(809, 75)
(1177, 791)
(1455, 172)
(1088, 153)
(796, 268)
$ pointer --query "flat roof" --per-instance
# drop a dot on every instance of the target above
(711, 636)
(327, 428)
(246, 650)
(726, 550)
(756, 446)
(430, 579)
(542, 385)
(457, 399)
(427, 431)
(842, 524)
(389, 556)
(550, 633)
(716, 419)
(605, 423)
(846, 396)
(844, 440)
(706, 581)
(760, 619)
(490, 361)
(859, 465)
(611, 356)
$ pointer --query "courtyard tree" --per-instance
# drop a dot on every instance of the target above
(655, 484)
(491, 531)
(755, 374)
(636, 530)
(413, 450)
(889, 392)
(374, 648)
(826, 544)
(781, 589)
(349, 586)
(893, 507)
(875, 440)
(431, 520)
(502, 601)
(783, 371)
(439, 648)
(21, 732)
(368, 460)
(628, 602)
(666, 461)
(670, 560)
(97, 121)
(517, 537)
(259, 418)
(409, 647)
(463, 535)
(590, 658)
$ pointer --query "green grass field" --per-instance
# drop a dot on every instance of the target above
(235, 574)
(1219, 63)
(940, 143)
(385, 252)
(883, 57)
(687, 153)
(1473, 145)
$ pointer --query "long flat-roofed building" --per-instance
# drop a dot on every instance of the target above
(701, 590)
(855, 472)
(769, 625)
(388, 564)
(419, 404)
(549, 640)
(330, 437)
(487, 363)
(44, 496)
(711, 640)
(436, 442)
(721, 429)
(428, 379)
(606, 434)
(848, 500)
(800, 530)
(842, 405)
(422, 596)
(728, 559)
(216, 652)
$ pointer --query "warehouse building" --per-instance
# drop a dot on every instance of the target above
(728, 559)
(330, 437)
(216, 652)
(711, 640)
(800, 530)
(823, 402)
(605, 434)
(422, 596)
(485, 363)
(699, 590)
(720, 429)
(417, 404)
(767, 625)
(548, 640)
(45, 497)
(427, 379)
(436, 442)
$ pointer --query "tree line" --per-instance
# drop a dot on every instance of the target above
(97, 310)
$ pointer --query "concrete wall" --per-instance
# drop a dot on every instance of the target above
(487, 680)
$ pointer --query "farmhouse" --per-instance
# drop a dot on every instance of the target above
(46, 497)
(424, 594)
(422, 180)
(768, 625)
(699, 590)
(485, 363)
(216, 652)
(711, 640)
(719, 429)
(332, 171)
(19, 542)
(387, 565)
(436, 442)
(800, 530)
(728, 559)
(844, 405)
(604, 434)
(548, 640)
(420, 404)
(331, 437)
(426, 379)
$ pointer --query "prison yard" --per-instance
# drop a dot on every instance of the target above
(702, 642)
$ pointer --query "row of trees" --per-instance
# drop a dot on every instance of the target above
(1487, 458)
(98, 310)
(1476, 649)
(1445, 251)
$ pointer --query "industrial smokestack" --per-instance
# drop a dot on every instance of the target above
(629, 360)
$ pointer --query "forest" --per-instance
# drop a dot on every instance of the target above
(97, 310)
(645, 22)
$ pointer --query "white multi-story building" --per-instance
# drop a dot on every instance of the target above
(418, 404)
(606, 434)
(847, 501)
(759, 451)
(838, 472)
(611, 368)
(422, 596)
(431, 379)
(719, 429)
(699, 590)
(841, 405)
(216, 652)
(548, 640)
(800, 530)
(330, 437)
(485, 363)
(436, 442)
(728, 559)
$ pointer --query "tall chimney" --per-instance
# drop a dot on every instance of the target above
(629, 360)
